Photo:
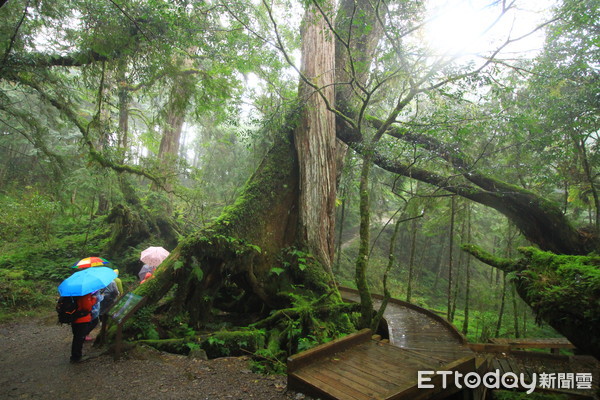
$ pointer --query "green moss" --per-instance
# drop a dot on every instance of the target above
(562, 284)
(504, 264)
(19, 294)
(304, 267)
(175, 345)
(261, 193)
(562, 290)
(233, 343)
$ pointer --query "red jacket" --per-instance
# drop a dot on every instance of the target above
(85, 303)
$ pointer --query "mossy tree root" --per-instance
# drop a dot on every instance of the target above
(562, 290)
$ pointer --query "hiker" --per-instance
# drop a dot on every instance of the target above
(148, 276)
(81, 326)
(118, 282)
(94, 314)
(111, 293)
(145, 270)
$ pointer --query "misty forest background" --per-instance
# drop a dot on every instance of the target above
(182, 100)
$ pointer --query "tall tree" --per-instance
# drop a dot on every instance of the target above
(314, 137)
(451, 257)
(465, 327)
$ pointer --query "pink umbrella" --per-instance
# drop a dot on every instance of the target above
(153, 256)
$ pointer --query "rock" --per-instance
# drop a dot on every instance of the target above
(198, 354)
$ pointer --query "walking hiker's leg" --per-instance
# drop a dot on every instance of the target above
(79, 333)
(92, 325)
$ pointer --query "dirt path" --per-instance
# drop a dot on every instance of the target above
(34, 364)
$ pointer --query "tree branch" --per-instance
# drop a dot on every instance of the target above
(83, 128)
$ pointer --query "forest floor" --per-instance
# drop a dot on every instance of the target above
(34, 364)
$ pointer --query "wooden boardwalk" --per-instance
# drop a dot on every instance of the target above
(358, 367)
(414, 328)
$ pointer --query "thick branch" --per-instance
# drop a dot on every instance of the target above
(38, 60)
(539, 219)
(505, 264)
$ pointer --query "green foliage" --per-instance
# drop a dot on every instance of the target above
(142, 326)
(52, 260)
(308, 342)
(32, 214)
(277, 271)
(20, 294)
(176, 326)
(233, 343)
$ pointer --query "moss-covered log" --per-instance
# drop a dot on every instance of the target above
(562, 290)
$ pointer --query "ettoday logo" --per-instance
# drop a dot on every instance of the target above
(508, 380)
(472, 380)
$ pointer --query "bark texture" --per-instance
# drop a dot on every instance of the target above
(315, 137)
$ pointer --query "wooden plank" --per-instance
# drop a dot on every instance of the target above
(411, 390)
(496, 365)
(535, 343)
(378, 373)
(392, 374)
(385, 379)
(425, 358)
(410, 359)
(316, 389)
(368, 377)
(489, 347)
(505, 366)
(514, 367)
(451, 329)
(331, 386)
(367, 357)
(441, 355)
(298, 360)
(527, 372)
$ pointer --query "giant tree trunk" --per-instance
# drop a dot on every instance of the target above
(289, 201)
(315, 136)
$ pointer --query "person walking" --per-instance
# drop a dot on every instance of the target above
(81, 326)
(118, 282)
(94, 314)
(110, 295)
